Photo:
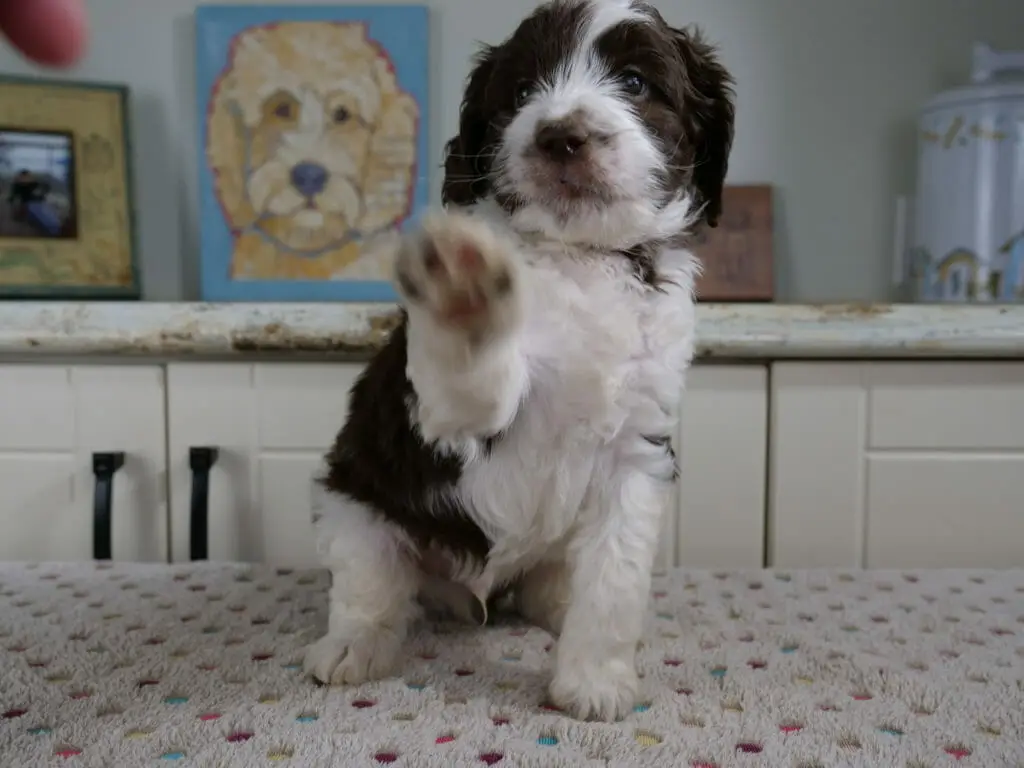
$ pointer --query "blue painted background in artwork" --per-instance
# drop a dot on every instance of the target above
(403, 32)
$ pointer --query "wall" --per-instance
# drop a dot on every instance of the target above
(827, 98)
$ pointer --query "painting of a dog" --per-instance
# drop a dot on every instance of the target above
(312, 149)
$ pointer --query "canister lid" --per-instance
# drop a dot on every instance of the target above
(996, 76)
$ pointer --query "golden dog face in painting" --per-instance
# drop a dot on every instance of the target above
(312, 145)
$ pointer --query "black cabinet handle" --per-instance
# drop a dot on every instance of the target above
(200, 460)
(104, 466)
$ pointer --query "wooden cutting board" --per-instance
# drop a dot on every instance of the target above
(737, 254)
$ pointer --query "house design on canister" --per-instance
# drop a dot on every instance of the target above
(955, 275)
(1012, 257)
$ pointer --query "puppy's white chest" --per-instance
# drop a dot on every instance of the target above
(606, 359)
(600, 341)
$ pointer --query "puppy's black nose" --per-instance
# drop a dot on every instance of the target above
(561, 139)
(309, 178)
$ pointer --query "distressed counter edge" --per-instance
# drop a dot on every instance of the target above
(741, 331)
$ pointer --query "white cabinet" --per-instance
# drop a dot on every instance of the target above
(722, 459)
(897, 465)
(272, 422)
(817, 464)
(53, 420)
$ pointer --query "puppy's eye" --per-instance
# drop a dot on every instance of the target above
(341, 115)
(523, 91)
(633, 83)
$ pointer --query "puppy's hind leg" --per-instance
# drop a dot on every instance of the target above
(373, 592)
(543, 595)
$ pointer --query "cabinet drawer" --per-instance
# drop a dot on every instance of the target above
(944, 511)
(302, 406)
(36, 408)
(940, 406)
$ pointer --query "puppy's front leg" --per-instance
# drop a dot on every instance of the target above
(462, 287)
(595, 667)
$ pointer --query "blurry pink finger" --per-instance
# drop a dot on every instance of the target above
(50, 32)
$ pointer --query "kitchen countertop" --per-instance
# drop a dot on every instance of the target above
(742, 331)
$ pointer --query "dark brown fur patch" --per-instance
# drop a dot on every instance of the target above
(688, 107)
(381, 460)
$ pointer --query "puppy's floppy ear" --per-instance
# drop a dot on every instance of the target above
(468, 156)
(712, 114)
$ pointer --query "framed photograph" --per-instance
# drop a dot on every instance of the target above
(66, 221)
(313, 140)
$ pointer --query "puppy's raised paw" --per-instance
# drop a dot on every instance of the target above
(462, 274)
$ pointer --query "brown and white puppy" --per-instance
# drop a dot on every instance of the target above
(516, 431)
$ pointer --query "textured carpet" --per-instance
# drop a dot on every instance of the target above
(131, 665)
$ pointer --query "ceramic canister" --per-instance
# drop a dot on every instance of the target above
(968, 228)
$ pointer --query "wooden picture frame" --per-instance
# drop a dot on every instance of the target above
(737, 255)
(67, 223)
